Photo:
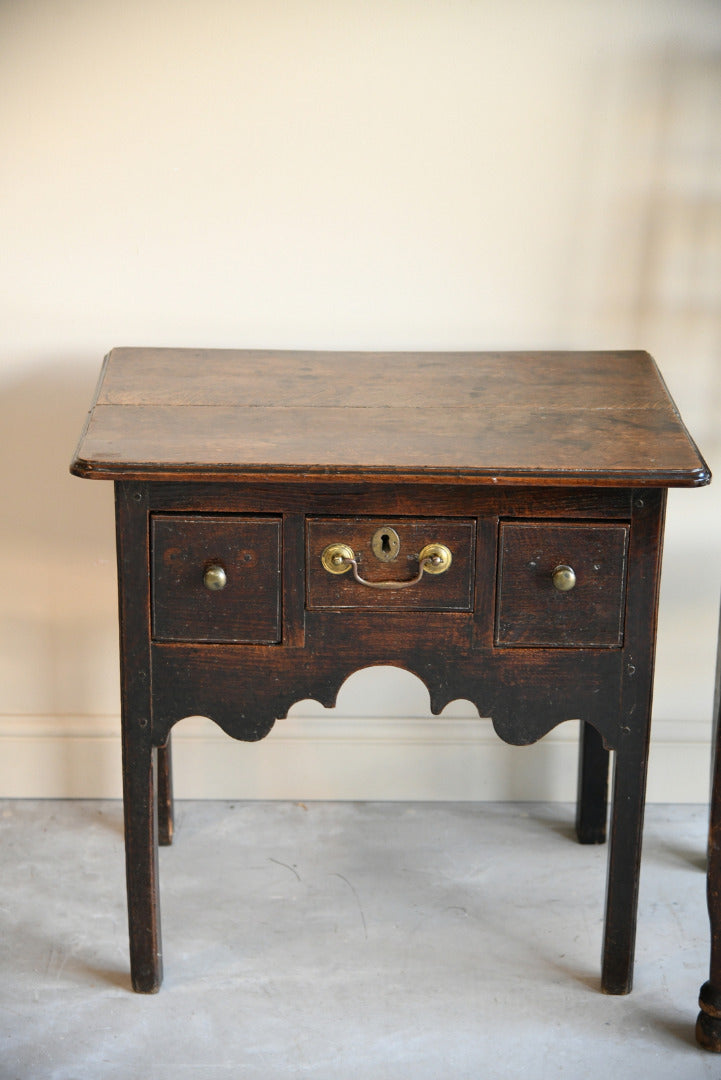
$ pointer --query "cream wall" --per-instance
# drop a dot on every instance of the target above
(385, 173)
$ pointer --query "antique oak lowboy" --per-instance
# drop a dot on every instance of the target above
(491, 522)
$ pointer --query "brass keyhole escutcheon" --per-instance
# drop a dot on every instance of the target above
(385, 544)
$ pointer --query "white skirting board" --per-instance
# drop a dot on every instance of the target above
(307, 758)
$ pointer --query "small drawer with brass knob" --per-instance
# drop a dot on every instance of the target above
(561, 585)
(421, 564)
(216, 578)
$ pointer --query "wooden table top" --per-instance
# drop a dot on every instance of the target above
(570, 418)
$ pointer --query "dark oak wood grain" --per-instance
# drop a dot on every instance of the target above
(518, 462)
(389, 380)
(480, 417)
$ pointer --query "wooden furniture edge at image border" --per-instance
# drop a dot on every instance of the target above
(233, 463)
(708, 1024)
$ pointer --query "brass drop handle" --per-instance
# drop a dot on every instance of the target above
(215, 578)
(432, 559)
(564, 578)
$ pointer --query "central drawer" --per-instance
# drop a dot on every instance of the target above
(390, 550)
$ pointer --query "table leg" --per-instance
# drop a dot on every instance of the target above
(592, 801)
(141, 861)
(631, 748)
(624, 863)
(140, 787)
(708, 1025)
(165, 794)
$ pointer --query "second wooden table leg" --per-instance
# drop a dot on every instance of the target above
(165, 794)
(592, 801)
(141, 861)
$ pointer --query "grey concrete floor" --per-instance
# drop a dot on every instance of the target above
(345, 941)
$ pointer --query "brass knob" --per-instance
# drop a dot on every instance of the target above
(337, 558)
(214, 578)
(564, 578)
(435, 558)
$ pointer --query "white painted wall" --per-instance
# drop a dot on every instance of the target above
(356, 174)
